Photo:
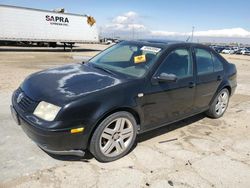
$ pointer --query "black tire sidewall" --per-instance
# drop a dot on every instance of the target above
(94, 143)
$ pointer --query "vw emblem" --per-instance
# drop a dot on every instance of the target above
(19, 98)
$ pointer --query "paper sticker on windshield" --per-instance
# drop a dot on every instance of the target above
(140, 59)
(151, 49)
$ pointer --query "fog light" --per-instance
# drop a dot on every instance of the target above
(77, 130)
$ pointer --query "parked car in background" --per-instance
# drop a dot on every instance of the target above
(238, 51)
(109, 41)
(235, 48)
(245, 51)
(128, 89)
(218, 49)
(228, 51)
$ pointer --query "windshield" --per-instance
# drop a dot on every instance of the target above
(128, 58)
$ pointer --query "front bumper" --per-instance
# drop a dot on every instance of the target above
(79, 153)
(61, 142)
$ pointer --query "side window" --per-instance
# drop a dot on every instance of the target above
(204, 61)
(218, 65)
(178, 62)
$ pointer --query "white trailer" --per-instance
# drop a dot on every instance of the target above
(35, 25)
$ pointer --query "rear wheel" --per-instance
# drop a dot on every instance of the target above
(114, 137)
(219, 105)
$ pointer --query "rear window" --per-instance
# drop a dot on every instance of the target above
(204, 61)
(218, 65)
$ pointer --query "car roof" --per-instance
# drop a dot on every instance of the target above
(163, 43)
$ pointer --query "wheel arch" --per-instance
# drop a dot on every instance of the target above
(221, 87)
(133, 112)
(224, 85)
(228, 88)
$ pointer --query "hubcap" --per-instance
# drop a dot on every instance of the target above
(116, 137)
(221, 104)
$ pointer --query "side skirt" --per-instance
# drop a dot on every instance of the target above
(171, 122)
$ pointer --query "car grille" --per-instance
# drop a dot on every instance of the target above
(25, 103)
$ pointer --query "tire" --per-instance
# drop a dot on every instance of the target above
(219, 104)
(114, 137)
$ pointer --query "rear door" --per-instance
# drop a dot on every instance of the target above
(209, 74)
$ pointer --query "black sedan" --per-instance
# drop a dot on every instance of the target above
(127, 89)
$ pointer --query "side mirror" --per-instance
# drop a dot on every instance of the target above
(164, 77)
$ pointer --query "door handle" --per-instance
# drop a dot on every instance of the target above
(219, 78)
(191, 84)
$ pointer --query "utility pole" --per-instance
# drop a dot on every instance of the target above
(192, 34)
(133, 32)
(100, 33)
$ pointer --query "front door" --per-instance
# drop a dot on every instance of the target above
(165, 102)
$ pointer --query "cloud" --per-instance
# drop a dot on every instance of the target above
(120, 19)
(233, 32)
(131, 14)
(126, 22)
(165, 33)
(131, 22)
(126, 18)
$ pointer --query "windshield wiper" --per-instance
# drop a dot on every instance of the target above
(104, 69)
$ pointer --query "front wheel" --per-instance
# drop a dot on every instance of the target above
(219, 105)
(114, 137)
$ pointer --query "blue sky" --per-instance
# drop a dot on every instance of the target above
(163, 17)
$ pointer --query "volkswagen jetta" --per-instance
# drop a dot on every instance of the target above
(132, 87)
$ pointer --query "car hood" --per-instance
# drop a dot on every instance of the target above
(67, 83)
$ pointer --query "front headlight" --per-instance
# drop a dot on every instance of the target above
(46, 111)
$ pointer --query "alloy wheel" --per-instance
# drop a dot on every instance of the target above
(116, 137)
(221, 103)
